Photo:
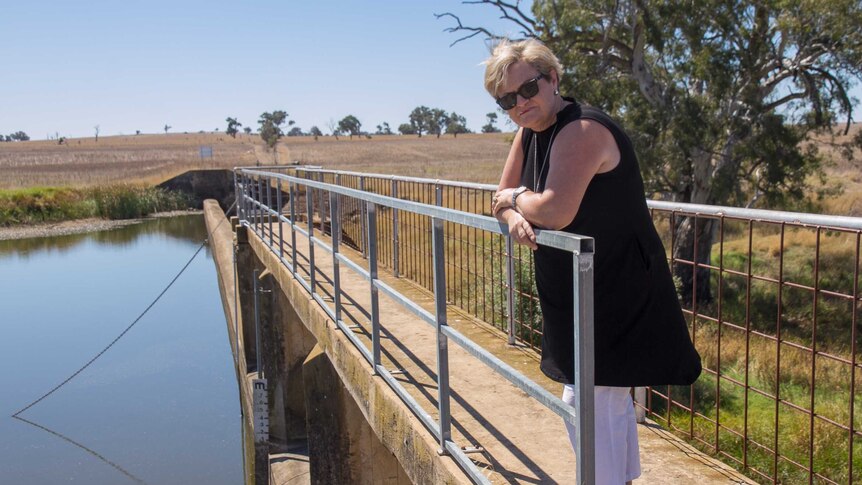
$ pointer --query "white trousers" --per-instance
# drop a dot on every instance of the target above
(617, 456)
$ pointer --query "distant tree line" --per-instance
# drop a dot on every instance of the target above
(422, 121)
(17, 136)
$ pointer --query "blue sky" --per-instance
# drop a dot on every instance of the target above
(138, 65)
(130, 65)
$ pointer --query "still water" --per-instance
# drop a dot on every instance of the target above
(159, 407)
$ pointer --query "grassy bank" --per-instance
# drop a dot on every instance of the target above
(54, 204)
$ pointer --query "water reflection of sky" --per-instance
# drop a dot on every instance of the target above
(161, 404)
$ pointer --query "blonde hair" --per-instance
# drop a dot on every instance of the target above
(531, 51)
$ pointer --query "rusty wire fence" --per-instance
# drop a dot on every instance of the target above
(772, 301)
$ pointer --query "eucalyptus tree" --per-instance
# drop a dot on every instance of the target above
(420, 120)
(456, 124)
(437, 120)
(350, 125)
(315, 132)
(232, 125)
(490, 126)
(719, 97)
(270, 127)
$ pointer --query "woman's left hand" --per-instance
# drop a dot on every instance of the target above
(501, 200)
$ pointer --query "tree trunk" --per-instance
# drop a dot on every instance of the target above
(692, 243)
(693, 240)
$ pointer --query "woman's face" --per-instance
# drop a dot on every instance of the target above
(538, 112)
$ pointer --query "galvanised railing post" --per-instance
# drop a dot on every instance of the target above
(395, 230)
(309, 210)
(362, 228)
(244, 181)
(249, 207)
(372, 276)
(246, 192)
(322, 209)
(259, 198)
(292, 195)
(269, 210)
(439, 249)
(510, 287)
(336, 212)
(438, 201)
(584, 381)
(336, 272)
(280, 204)
(236, 197)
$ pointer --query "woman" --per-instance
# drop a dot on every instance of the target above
(572, 168)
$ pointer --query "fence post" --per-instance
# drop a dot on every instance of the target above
(322, 209)
(362, 228)
(442, 342)
(584, 381)
(269, 210)
(280, 204)
(259, 198)
(292, 196)
(336, 272)
(309, 210)
(372, 272)
(510, 287)
(395, 230)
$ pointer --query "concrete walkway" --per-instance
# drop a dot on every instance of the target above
(522, 441)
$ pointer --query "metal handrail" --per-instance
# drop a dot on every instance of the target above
(690, 412)
(764, 215)
(258, 214)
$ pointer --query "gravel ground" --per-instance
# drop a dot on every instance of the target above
(75, 227)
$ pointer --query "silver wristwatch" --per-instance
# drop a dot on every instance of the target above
(520, 190)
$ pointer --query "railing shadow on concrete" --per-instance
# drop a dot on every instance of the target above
(782, 292)
(263, 209)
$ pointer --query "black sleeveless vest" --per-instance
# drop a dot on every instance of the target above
(641, 337)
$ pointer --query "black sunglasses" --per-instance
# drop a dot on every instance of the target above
(527, 90)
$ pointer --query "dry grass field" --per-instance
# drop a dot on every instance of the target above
(153, 158)
(84, 162)
(848, 173)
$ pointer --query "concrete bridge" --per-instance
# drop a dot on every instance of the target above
(357, 382)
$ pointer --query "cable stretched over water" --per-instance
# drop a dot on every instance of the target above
(90, 362)
(79, 445)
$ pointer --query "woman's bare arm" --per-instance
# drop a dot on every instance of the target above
(582, 149)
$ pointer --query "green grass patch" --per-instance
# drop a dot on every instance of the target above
(53, 204)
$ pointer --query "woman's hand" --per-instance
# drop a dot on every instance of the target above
(520, 230)
(501, 200)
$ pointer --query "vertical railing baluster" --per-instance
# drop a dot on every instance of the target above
(510, 287)
(442, 341)
(236, 196)
(853, 360)
(309, 210)
(395, 264)
(371, 210)
(244, 179)
(584, 381)
(280, 203)
(292, 195)
(362, 227)
(259, 198)
(269, 210)
(322, 209)
(778, 335)
(336, 239)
